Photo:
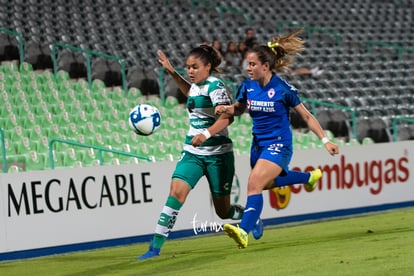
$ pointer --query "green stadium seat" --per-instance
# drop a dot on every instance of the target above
(69, 158)
(36, 161)
(106, 103)
(106, 127)
(71, 130)
(102, 127)
(242, 143)
(36, 132)
(43, 145)
(97, 86)
(133, 94)
(353, 142)
(115, 140)
(178, 112)
(182, 133)
(122, 126)
(340, 141)
(161, 151)
(145, 149)
(26, 68)
(53, 131)
(367, 141)
(176, 148)
(14, 169)
(329, 134)
(300, 137)
(115, 161)
(130, 160)
(87, 157)
(107, 155)
(23, 145)
(81, 139)
(97, 116)
(170, 123)
(171, 102)
(62, 76)
(99, 139)
(245, 119)
(154, 100)
(236, 129)
(4, 94)
(10, 67)
(17, 160)
(80, 117)
(58, 158)
(116, 94)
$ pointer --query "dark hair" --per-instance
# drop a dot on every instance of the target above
(207, 54)
(280, 51)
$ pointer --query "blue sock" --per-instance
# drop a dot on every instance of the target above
(292, 177)
(252, 212)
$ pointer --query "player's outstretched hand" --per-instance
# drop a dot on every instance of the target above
(332, 148)
(162, 58)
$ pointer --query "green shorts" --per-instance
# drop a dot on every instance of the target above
(218, 169)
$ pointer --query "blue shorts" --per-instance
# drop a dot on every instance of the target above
(277, 153)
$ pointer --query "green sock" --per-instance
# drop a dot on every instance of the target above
(166, 221)
(236, 212)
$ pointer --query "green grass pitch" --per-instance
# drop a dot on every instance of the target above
(372, 244)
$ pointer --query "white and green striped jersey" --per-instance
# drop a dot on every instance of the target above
(203, 98)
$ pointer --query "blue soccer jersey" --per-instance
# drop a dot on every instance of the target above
(269, 108)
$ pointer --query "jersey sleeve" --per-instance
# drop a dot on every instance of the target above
(291, 96)
(219, 94)
(241, 96)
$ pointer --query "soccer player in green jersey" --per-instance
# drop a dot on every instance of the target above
(207, 150)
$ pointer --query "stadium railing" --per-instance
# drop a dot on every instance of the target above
(161, 73)
(3, 151)
(223, 9)
(161, 78)
(399, 48)
(309, 30)
(315, 103)
(88, 54)
(20, 40)
(395, 122)
(100, 150)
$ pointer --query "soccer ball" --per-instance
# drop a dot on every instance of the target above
(144, 119)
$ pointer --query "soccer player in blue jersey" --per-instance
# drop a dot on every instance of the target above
(268, 99)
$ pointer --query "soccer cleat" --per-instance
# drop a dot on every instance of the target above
(315, 175)
(257, 231)
(237, 234)
(151, 253)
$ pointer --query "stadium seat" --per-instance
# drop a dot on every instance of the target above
(171, 102)
(9, 49)
(38, 55)
(14, 169)
(404, 133)
(72, 62)
(367, 141)
(36, 161)
(107, 70)
(376, 85)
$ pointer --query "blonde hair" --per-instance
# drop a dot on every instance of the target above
(281, 50)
